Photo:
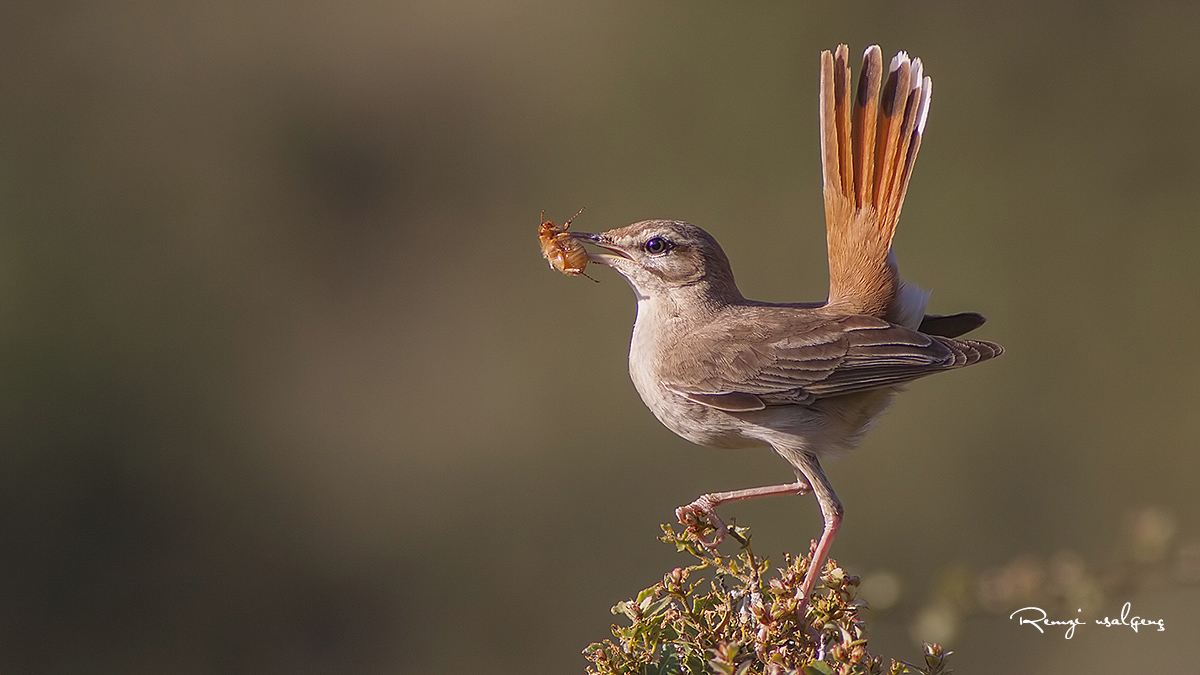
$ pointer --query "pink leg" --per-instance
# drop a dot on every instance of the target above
(706, 505)
(831, 510)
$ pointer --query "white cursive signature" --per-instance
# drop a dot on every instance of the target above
(1037, 617)
(1133, 623)
(1040, 618)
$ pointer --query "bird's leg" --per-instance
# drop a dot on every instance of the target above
(831, 510)
(706, 505)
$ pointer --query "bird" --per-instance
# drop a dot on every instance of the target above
(806, 379)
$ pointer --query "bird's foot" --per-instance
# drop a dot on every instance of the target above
(689, 516)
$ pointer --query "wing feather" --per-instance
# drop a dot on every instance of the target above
(806, 357)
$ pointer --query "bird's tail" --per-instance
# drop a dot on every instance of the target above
(868, 148)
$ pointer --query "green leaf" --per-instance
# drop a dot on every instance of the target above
(658, 607)
(648, 593)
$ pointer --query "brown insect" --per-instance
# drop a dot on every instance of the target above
(562, 252)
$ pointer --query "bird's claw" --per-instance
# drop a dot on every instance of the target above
(689, 516)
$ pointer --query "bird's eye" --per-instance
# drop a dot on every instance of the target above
(657, 246)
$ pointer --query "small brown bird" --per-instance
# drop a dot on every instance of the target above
(806, 379)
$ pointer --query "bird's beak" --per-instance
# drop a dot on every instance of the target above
(600, 240)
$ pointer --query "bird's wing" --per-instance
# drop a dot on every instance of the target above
(868, 148)
(810, 358)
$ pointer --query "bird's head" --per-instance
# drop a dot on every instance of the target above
(667, 259)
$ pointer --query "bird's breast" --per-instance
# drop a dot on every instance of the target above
(649, 350)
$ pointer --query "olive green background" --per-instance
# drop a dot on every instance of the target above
(286, 388)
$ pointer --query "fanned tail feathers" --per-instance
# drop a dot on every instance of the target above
(868, 149)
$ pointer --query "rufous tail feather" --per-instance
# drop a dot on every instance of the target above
(868, 148)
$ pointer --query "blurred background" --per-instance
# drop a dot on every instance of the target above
(285, 386)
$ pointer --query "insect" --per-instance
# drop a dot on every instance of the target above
(562, 252)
